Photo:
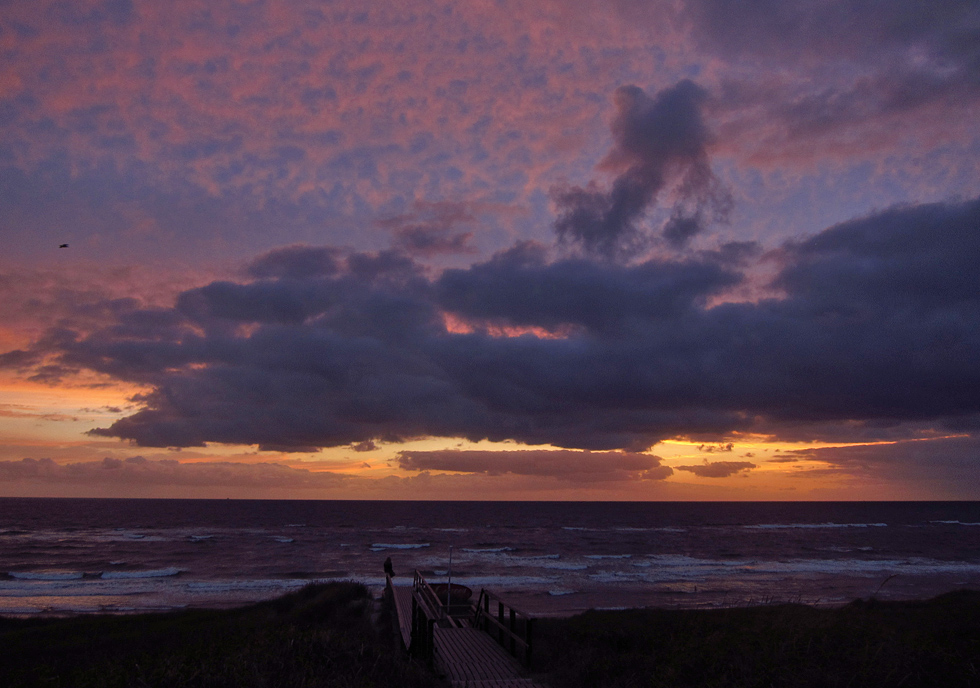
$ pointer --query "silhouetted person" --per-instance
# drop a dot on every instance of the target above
(388, 569)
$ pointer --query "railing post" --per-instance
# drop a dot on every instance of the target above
(430, 646)
(513, 626)
(413, 647)
(528, 625)
(500, 618)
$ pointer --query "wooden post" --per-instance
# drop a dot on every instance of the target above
(500, 618)
(513, 627)
(431, 645)
(416, 644)
(529, 624)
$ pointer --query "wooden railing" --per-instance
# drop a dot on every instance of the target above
(512, 628)
(429, 611)
(425, 615)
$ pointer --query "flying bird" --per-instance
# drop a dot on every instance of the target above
(62, 245)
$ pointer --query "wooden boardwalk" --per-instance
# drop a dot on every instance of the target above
(467, 657)
(470, 657)
(401, 597)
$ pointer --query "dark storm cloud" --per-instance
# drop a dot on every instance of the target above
(658, 141)
(570, 465)
(718, 469)
(518, 287)
(877, 326)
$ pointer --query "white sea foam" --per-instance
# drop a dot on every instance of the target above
(663, 529)
(662, 568)
(46, 575)
(487, 550)
(200, 538)
(608, 556)
(282, 539)
(956, 523)
(152, 573)
(781, 526)
(378, 546)
(558, 592)
(236, 585)
(563, 566)
(543, 561)
(539, 556)
(504, 582)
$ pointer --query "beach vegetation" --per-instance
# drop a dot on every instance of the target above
(320, 636)
(868, 643)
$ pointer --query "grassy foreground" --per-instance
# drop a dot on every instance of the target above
(321, 635)
(935, 643)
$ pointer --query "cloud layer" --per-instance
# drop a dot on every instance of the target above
(877, 323)
(139, 471)
(591, 224)
(581, 466)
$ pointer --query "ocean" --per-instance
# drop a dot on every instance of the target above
(76, 556)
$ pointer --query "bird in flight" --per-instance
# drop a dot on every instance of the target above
(62, 245)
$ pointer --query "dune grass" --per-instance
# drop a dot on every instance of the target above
(322, 635)
(935, 643)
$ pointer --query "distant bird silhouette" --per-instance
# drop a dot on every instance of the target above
(388, 569)
(62, 245)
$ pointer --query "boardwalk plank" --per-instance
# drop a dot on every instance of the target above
(468, 654)
(468, 657)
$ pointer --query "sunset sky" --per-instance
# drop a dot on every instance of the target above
(677, 250)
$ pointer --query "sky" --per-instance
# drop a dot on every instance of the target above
(484, 249)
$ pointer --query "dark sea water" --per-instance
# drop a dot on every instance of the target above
(69, 556)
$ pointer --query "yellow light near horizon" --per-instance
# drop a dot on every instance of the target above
(32, 412)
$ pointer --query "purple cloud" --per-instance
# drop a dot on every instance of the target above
(877, 327)
(718, 469)
(658, 141)
(568, 465)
